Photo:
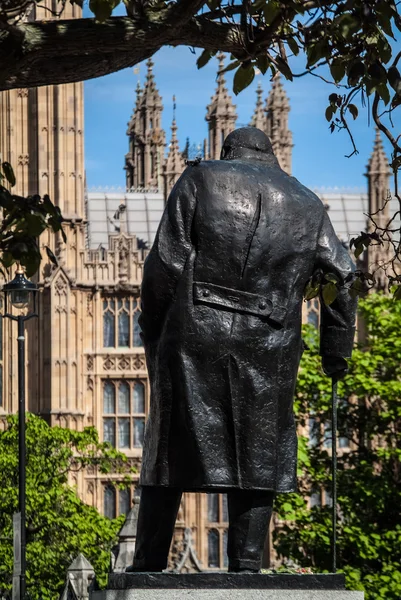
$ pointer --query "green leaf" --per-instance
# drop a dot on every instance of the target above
(271, 11)
(293, 46)
(329, 293)
(353, 110)
(332, 277)
(102, 9)
(311, 290)
(243, 78)
(7, 259)
(262, 62)
(258, 5)
(394, 79)
(348, 24)
(359, 248)
(283, 67)
(384, 93)
(329, 112)
(9, 173)
(337, 69)
(204, 58)
(377, 72)
(355, 71)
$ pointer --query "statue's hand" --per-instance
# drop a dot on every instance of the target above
(335, 366)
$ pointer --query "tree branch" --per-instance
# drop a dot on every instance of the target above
(54, 52)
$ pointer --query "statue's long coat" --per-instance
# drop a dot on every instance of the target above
(222, 299)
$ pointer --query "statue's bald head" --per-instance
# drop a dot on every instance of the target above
(247, 143)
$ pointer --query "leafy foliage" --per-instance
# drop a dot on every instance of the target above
(23, 221)
(369, 472)
(350, 44)
(59, 524)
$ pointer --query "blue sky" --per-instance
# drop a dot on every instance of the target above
(318, 155)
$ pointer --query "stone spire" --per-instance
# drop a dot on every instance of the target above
(145, 157)
(221, 115)
(174, 164)
(378, 175)
(277, 109)
(259, 118)
(133, 132)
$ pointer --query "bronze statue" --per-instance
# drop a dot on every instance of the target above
(222, 299)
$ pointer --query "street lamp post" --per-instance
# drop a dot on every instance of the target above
(19, 293)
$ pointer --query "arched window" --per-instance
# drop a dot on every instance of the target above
(124, 502)
(213, 508)
(123, 398)
(109, 330)
(123, 323)
(109, 408)
(225, 540)
(109, 502)
(124, 416)
(213, 550)
(139, 397)
(120, 323)
(136, 330)
(225, 508)
(109, 398)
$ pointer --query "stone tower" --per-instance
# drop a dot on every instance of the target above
(221, 115)
(132, 158)
(41, 135)
(144, 161)
(378, 175)
(174, 165)
(277, 109)
(259, 118)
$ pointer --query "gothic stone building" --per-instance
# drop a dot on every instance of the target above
(86, 364)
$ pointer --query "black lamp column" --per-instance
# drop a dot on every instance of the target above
(19, 293)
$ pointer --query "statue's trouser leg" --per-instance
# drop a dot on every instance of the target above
(156, 519)
(249, 514)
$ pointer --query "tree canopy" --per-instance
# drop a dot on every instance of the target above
(59, 524)
(350, 44)
(369, 472)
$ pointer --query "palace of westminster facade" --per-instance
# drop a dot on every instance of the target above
(85, 361)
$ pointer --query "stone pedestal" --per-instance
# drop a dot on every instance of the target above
(225, 586)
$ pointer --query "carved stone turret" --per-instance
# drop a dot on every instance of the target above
(174, 165)
(221, 115)
(277, 109)
(378, 175)
(144, 161)
(259, 118)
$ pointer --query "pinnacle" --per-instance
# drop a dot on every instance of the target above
(258, 119)
(378, 161)
(221, 104)
(277, 98)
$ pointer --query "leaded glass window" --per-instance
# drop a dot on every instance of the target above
(121, 322)
(213, 544)
(109, 502)
(217, 516)
(124, 501)
(109, 331)
(213, 508)
(124, 412)
(116, 501)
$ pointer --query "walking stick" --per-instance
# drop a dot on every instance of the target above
(334, 469)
